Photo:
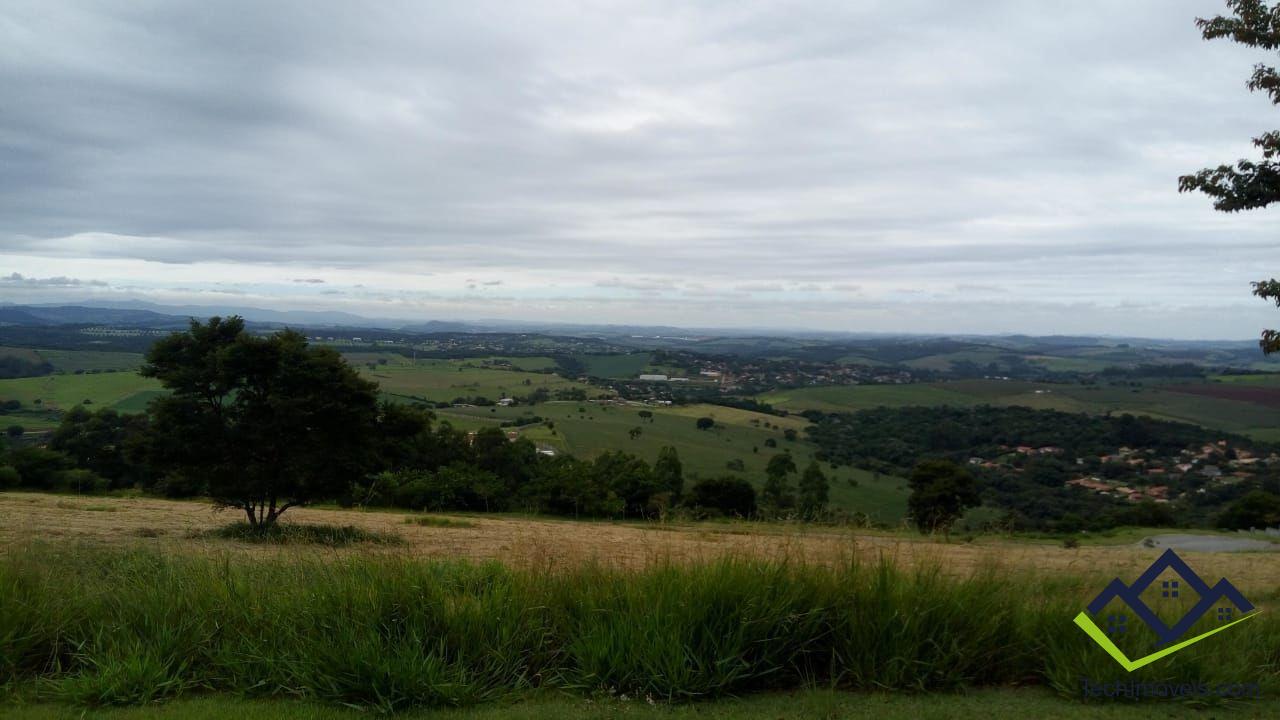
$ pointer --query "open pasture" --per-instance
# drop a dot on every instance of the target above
(445, 380)
(45, 398)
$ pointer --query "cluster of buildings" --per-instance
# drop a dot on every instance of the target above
(1151, 474)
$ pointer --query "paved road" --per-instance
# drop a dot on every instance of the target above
(1209, 543)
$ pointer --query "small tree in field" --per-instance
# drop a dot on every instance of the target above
(263, 424)
(778, 494)
(940, 493)
(815, 491)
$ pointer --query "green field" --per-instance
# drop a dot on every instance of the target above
(1255, 420)
(445, 380)
(529, 364)
(839, 398)
(589, 429)
(1259, 379)
(626, 365)
(58, 393)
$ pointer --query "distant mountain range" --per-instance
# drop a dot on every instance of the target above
(142, 314)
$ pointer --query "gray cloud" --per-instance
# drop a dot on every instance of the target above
(18, 280)
(637, 150)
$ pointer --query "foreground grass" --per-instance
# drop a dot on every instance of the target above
(1005, 703)
(95, 627)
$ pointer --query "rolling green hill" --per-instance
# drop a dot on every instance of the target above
(588, 429)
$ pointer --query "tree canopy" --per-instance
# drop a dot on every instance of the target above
(262, 424)
(940, 492)
(1248, 184)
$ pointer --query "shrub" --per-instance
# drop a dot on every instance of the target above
(439, 522)
(38, 467)
(82, 481)
(726, 495)
(293, 534)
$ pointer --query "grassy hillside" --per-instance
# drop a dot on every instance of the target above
(589, 429)
(45, 398)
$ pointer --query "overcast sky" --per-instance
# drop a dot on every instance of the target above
(844, 165)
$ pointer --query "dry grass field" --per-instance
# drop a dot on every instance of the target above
(171, 526)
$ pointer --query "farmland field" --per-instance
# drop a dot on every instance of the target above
(1211, 405)
(70, 361)
(445, 380)
(589, 429)
(839, 398)
(626, 365)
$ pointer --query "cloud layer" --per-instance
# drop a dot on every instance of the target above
(989, 166)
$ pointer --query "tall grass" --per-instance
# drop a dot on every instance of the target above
(101, 627)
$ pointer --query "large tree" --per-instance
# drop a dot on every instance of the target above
(262, 424)
(1248, 184)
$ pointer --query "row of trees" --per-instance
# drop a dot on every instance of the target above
(266, 423)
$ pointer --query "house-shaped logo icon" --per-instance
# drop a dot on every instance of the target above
(1177, 581)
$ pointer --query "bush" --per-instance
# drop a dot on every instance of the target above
(82, 481)
(9, 477)
(1257, 509)
(726, 495)
(438, 522)
(39, 468)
